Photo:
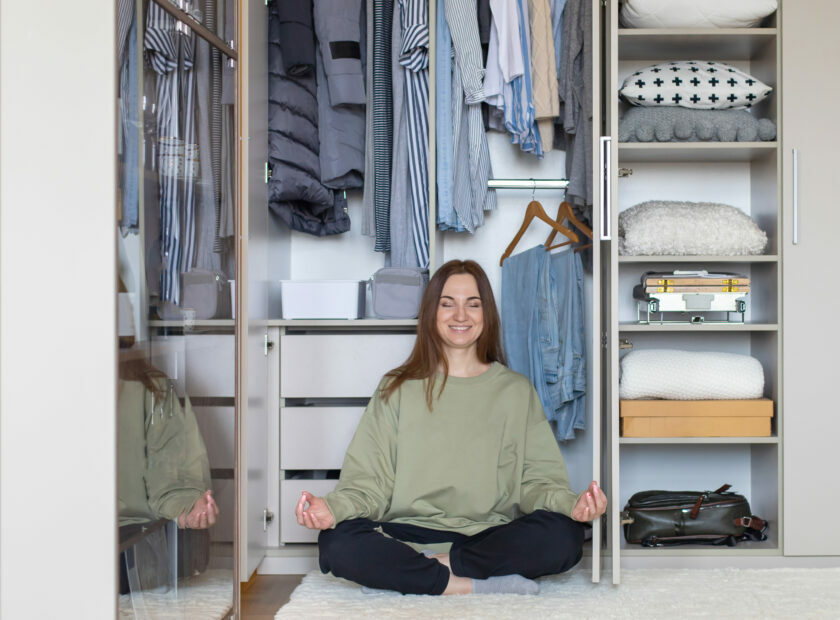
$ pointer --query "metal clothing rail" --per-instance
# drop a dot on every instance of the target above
(528, 183)
(181, 14)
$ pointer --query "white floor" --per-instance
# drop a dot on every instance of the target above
(644, 594)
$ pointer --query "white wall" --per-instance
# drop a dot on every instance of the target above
(57, 310)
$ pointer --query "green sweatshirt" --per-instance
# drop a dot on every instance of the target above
(163, 465)
(484, 456)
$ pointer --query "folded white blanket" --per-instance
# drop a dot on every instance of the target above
(690, 375)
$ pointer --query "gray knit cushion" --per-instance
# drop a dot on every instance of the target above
(675, 124)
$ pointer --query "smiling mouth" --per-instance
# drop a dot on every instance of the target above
(459, 328)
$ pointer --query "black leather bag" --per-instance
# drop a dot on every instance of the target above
(664, 518)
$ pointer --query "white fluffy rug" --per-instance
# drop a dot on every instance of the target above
(643, 594)
(207, 596)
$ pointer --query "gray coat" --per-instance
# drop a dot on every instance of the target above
(295, 191)
(340, 63)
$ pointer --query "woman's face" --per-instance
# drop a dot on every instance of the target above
(460, 316)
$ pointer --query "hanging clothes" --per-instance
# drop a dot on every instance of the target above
(415, 59)
(402, 252)
(207, 253)
(341, 92)
(129, 119)
(471, 196)
(543, 71)
(170, 55)
(229, 144)
(509, 83)
(368, 216)
(447, 219)
(297, 35)
(383, 15)
(543, 327)
(295, 191)
(575, 84)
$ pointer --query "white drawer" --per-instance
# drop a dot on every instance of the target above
(339, 365)
(210, 369)
(316, 437)
(290, 490)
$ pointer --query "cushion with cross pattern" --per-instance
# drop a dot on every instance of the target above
(699, 84)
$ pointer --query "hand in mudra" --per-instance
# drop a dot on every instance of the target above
(202, 515)
(313, 512)
(592, 504)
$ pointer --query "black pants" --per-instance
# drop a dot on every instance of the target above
(541, 543)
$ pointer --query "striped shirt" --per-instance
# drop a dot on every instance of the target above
(472, 155)
(383, 136)
(170, 55)
(415, 58)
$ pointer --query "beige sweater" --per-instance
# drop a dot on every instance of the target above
(543, 71)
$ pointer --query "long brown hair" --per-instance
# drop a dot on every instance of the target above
(428, 352)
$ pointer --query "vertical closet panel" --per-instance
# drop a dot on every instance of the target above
(811, 221)
(594, 377)
(609, 157)
(252, 296)
(58, 262)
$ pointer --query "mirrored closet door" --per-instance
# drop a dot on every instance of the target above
(177, 421)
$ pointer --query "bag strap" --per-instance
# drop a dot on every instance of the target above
(756, 528)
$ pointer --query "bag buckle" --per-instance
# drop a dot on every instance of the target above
(746, 521)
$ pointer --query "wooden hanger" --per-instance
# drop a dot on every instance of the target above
(565, 212)
(535, 210)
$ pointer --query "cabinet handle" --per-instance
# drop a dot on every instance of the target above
(795, 172)
(605, 160)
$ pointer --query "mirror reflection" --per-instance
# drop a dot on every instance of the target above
(175, 224)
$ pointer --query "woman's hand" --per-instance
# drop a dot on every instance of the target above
(202, 515)
(313, 512)
(591, 504)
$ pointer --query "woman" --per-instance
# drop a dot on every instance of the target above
(453, 452)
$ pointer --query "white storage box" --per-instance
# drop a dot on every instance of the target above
(322, 299)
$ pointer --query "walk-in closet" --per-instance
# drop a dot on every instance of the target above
(267, 174)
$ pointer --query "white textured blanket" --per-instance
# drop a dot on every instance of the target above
(690, 375)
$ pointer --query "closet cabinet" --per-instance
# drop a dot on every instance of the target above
(742, 174)
(319, 374)
(811, 222)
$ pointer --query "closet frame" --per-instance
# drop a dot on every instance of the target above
(760, 336)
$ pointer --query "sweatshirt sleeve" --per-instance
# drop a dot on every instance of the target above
(367, 475)
(177, 468)
(545, 483)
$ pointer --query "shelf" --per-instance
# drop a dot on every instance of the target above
(697, 440)
(693, 43)
(676, 152)
(697, 327)
(762, 258)
(194, 324)
(350, 323)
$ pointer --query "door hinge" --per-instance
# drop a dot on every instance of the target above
(268, 517)
(603, 340)
(268, 345)
(268, 172)
(231, 61)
